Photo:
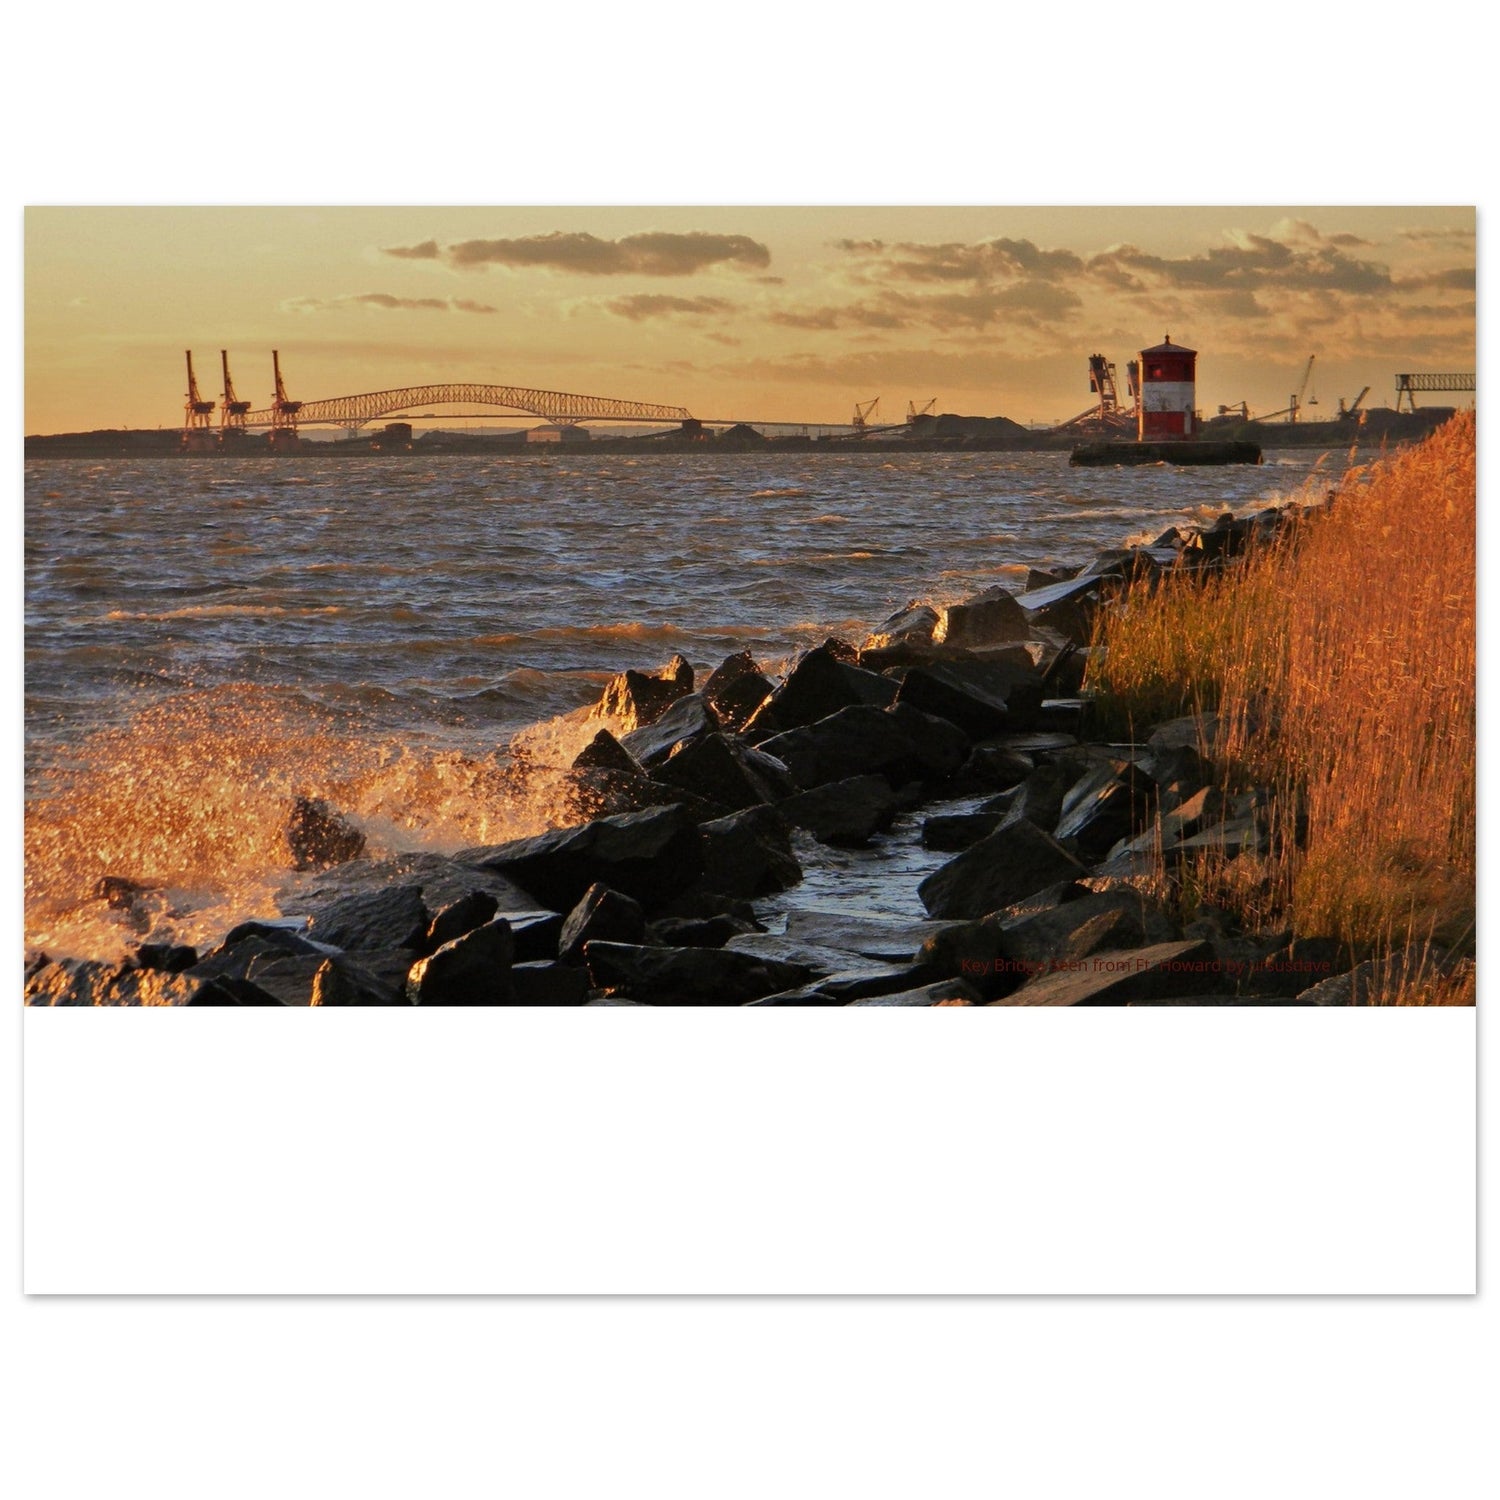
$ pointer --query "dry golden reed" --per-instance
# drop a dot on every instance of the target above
(1341, 662)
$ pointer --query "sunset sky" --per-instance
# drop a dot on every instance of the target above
(789, 314)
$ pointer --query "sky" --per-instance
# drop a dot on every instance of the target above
(788, 314)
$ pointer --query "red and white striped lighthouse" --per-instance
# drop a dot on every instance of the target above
(1168, 392)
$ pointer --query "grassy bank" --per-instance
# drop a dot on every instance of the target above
(1341, 663)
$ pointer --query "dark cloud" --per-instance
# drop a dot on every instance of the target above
(653, 305)
(655, 253)
(1456, 279)
(1034, 303)
(1251, 262)
(427, 250)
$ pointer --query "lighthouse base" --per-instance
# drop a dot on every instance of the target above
(1097, 455)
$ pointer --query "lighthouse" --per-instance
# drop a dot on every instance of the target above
(1167, 392)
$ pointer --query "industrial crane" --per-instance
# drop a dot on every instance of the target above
(863, 411)
(232, 412)
(912, 413)
(1347, 412)
(283, 410)
(1107, 415)
(1297, 403)
(197, 412)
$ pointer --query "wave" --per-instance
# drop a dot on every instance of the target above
(226, 611)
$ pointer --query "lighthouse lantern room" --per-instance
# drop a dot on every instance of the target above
(1168, 392)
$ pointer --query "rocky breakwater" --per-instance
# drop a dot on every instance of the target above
(692, 800)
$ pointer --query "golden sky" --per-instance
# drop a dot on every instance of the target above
(789, 314)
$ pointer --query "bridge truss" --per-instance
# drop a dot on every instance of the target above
(554, 406)
(1408, 385)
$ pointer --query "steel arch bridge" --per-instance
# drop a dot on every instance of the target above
(555, 406)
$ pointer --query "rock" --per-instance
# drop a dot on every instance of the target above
(393, 918)
(749, 854)
(950, 832)
(698, 932)
(689, 976)
(1014, 861)
(442, 880)
(233, 957)
(944, 992)
(649, 856)
(1040, 578)
(1103, 807)
(987, 619)
(1038, 800)
(536, 934)
(138, 901)
(605, 753)
(1235, 837)
(939, 746)
(459, 917)
(818, 685)
(319, 836)
(1296, 966)
(287, 933)
(901, 745)
(74, 981)
(1113, 977)
(912, 626)
(636, 699)
(981, 698)
(992, 768)
(1200, 731)
(602, 915)
(735, 689)
(471, 970)
(687, 720)
(311, 979)
(727, 772)
(843, 813)
(548, 984)
(170, 958)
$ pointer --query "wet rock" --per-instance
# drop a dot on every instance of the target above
(727, 772)
(73, 981)
(987, 619)
(687, 720)
(939, 747)
(459, 917)
(912, 626)
(1295, 966)
(602, 915)
(992, 768)
(1038, 799)
(749, 854)
(852, 741)
(1199, 731)
(287, 933)
(169, 958)
(1103, 807)
(649, 856)
(548, 984)
(735, 689)
(442, 880)
(393, 918)
(843, 813)
(310, 979)
(1040, 578)
(1112, 977)
(319, 836)
(136, 900)
(943, 992)
(471, 970)
(889, 940)
(950, 832)
(1014, 861)
(981, 698)
(605, 753)
(536, 934)
(688, 976)
(819, 684)
(636, 699)
(698, 932)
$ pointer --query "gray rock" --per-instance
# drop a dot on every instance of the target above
(548, 984)
(688, 976)
(987, 619)
(982, 698)
(459, 917)
(1016, 860)
(602, 915)
(943, 992)
(950, 832)
(818, 685)
(471, 970)
(685, 721)
(749, 854)
(726, 771)
(870, 937)
(911, 626)
(1112, 977)
(317, 835)
(393, 918)
(735, 689)
(1103, 807)
(843, 813)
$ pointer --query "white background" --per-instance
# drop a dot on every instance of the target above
(1338, 1150)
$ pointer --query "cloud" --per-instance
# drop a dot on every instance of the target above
(1439, 236)
(654, 253)
(652, 305)
(1455, 278)
(1248, 262)
(386, 301)
(1035, 303)
(983, 262)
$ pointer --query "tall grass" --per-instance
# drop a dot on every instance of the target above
(1341, 662)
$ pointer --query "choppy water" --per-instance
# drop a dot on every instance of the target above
(206, 637)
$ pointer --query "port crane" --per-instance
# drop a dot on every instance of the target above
(232, 412)
(1106, 414)
(283, 409)
(912, 411)
(1297, 402)
(1347, 411)
(197, 413)
(863, 411)
(1240, 409)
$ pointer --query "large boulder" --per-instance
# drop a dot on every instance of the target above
(471, 970)
(1114, 977)
(548, 984)
(819, 684)
(724, 770)
(912, 626)
(73, 981)
(635, 699)
(1106, 805)
(982, 698)
(602, 915)
(649, 855)
(843, 813)
(605, 753)
(748, 854)
(889, 939)
(902, 745)
(736, 688)
(317, 835)
(687, 720)
(942, 992)
(689, 976)
(988, 619)
(311, 979)
(1014, 861)
(393, 918)
(458, 917)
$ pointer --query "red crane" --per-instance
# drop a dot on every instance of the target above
(283, 410)
(197, 413)
(232, 412)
